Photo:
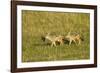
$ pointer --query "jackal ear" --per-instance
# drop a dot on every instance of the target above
(69, 33)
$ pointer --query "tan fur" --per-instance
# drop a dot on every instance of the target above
(59, 39)
(73, 38)
(55, 39)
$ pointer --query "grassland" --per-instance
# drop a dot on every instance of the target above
(37, 23)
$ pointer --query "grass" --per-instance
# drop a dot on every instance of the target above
(37, 23)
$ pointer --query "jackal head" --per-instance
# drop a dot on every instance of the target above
(43, 38)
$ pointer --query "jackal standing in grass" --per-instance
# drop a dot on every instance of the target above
(54, 39)
(74, 38)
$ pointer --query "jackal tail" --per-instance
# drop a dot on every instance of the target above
(82, 38)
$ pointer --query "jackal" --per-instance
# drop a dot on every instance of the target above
(54, 39)
(74, 38)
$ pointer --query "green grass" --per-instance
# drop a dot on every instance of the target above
(37, 23)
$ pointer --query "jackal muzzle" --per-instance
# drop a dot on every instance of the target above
(43, 38)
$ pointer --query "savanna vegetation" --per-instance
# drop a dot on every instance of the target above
(38, 23)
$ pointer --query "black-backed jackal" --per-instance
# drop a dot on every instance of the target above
(54, 39)
(74, 38)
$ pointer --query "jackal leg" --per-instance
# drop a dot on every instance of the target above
(74, 41)
(70, 42)
(53, 44)
(61, 42)
(79, 42)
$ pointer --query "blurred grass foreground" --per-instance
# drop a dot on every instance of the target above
(37, 23)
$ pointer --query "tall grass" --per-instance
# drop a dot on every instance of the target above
(37, 23)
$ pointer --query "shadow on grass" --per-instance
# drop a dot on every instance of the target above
(42, 44)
